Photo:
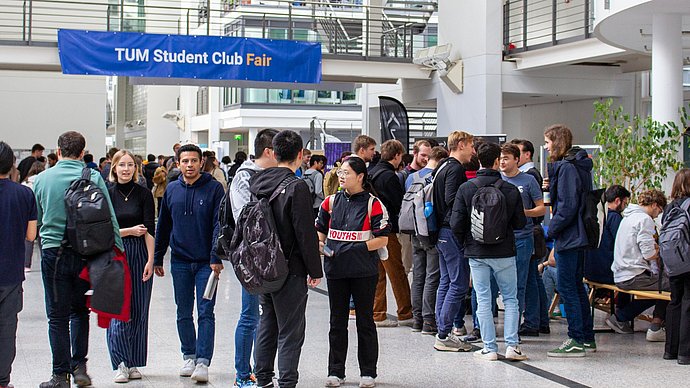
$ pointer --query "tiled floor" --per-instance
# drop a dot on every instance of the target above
(406, 359)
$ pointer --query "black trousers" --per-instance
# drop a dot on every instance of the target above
(678, 317)
(362, 290)
(11, 302)
(281, 331)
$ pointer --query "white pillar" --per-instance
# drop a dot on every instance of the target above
(667, 67)
(213, 116)
(475, 29)
(120, 111)
(251, 137)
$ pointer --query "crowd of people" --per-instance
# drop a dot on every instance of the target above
(484, 214)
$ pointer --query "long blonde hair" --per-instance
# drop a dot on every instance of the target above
(116, 159)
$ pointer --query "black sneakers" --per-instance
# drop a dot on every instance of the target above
(528, 332)
(80, 377)
(429, 328)
(57, 381)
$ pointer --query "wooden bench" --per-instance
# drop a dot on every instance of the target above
(593, 286)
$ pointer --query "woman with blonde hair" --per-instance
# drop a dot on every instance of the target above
(569, 179)
(134, 209)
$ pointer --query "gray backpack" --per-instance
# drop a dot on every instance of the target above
(412, 201)
(489, 213)
(674, 240)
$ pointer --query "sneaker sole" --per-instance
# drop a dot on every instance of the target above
(199, 379)
(566, 355)
(519, 358)
(82, 382)
(442, 348)
(185, 374)
(591, 350)
(429, 332)
(416, 330)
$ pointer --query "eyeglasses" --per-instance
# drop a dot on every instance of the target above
(342, 173)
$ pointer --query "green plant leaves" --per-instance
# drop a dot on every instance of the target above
(636, 153)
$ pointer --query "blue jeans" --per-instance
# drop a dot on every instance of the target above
(506, 276)
(245, 334)
(494, 305)
(455, 279)
(523, 248)
(550, 279)
(570, 268)
(188, 276)
(68, 316)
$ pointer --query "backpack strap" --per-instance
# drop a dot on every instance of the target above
(686, 205)
(282, 186)
(331, 199)
(377, 174)
(86, 173)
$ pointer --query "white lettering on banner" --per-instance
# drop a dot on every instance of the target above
(165, 56)
(223, 58)
(349, 235)
(132, 55)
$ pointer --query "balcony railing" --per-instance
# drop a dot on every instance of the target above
(345, 28)
(534, 24)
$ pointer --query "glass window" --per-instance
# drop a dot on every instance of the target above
(256, 96)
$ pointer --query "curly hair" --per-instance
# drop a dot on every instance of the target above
(650, 197)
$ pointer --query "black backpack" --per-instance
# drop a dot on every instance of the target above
(89, 228)
(489, 213)
(226, 221)
(255, 252)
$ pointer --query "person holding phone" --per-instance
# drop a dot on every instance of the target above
(352, 226)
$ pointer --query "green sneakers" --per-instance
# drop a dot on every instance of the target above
(590, 346)
(569, 348)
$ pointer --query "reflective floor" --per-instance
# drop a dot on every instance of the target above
(406, 359)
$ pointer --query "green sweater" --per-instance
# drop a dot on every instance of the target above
(50, 187)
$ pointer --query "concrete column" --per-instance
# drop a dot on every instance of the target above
(120, 111)
(475, 29)
(667, 67)
(373, 28)
(251, 137)
(213, 115)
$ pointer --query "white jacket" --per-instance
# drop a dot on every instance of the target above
(635, 244)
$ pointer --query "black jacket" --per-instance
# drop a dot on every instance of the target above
(388, 190)
(351, 258)
(294, 218)
(537, 175)
(149, 171)
(460, 220)
(446, 183)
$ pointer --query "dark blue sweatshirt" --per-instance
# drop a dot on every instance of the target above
(188, 220)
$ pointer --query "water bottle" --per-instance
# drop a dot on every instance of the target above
(428, 209)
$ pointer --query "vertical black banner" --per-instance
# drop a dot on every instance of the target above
(394, 121)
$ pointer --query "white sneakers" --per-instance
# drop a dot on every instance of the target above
(200, 374)
(333, 381)
(134, 374)
(121, 374)
(515, 354)
(367, 382)
(656, 336)
(188, 368)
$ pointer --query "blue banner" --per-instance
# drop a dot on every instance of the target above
(188, 56)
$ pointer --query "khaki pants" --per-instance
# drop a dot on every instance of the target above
(401, 288)
(406, 249)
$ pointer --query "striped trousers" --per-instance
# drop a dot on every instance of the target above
(128, 341)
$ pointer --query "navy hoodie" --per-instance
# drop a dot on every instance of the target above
(570, 179)
(188, 220)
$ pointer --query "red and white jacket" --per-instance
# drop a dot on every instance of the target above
(349, 221)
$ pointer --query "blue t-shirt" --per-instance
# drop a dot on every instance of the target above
(410, 178)
(530, 193)
(17, 208)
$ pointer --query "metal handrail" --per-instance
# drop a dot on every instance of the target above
(533, 24)
(368, 31)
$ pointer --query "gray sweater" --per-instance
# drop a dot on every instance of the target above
(239, 188)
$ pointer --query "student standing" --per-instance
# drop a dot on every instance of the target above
(188, 223)
(17, 224)
(570, 177)
(283, 321)
(134, 209)
(352, 269)
(245, 332)
(68, 315)
(532, 202)
(678, 312)
(495, 258)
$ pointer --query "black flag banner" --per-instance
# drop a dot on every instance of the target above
(394, 122)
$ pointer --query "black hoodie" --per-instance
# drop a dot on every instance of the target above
(294, 218)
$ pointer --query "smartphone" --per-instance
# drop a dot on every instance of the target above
(328, 252)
